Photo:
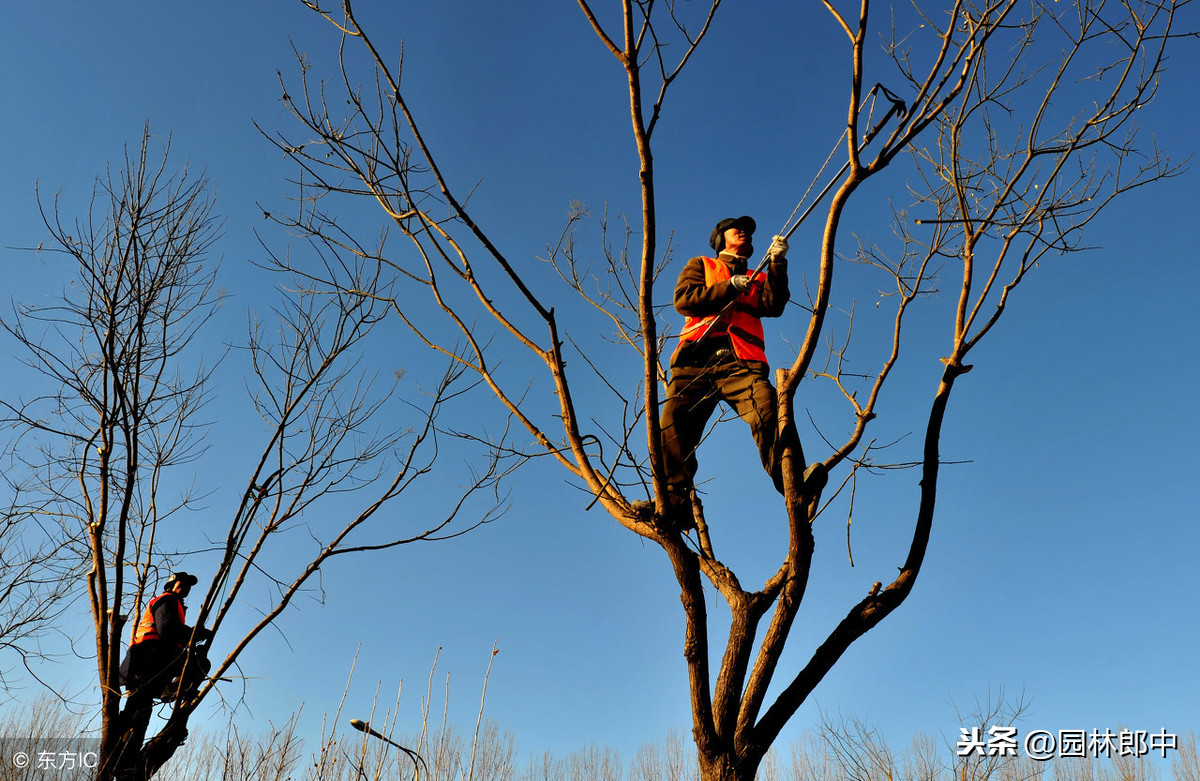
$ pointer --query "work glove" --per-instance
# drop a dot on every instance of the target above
(778, 251)
(739, 282)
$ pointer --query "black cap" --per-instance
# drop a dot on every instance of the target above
(184, 578)
(717, 239)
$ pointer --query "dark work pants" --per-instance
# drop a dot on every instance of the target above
(147, 669)
(693, 394)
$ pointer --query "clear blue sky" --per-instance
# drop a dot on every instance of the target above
(1063, 550)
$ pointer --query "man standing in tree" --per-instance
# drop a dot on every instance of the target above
(157, 656)
(721, 350)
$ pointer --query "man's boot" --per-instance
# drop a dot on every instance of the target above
(678, 514)
(815, 478)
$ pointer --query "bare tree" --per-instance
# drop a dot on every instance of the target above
(1186, 764)
(1018, 125)
(646, 764)
(679, 762)
(36, 575)
(116, 414)
(109, 439)
(669, 760)
(811, 760)
(769, 769)
(544, 768)
(42, 725)
(272, 754)
(601, 763)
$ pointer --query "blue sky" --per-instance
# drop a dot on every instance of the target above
(1062, 557)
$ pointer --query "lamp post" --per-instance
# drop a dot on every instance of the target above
(363, 726)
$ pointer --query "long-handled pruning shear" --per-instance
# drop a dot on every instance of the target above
(898, 108)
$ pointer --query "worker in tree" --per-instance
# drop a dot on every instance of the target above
(721, 350)
(161, 663)
(157, 655)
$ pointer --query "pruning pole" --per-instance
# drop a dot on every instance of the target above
(898, 108)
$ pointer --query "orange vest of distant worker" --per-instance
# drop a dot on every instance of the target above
(744, 329)
(145, 628)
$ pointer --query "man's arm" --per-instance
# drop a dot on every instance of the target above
(775, 291)
(695, 298)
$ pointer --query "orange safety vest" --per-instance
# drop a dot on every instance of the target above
(744, 329)
(145, 628)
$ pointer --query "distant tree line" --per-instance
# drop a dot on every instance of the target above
(839, 748)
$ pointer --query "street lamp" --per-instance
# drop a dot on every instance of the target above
(363, 726)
